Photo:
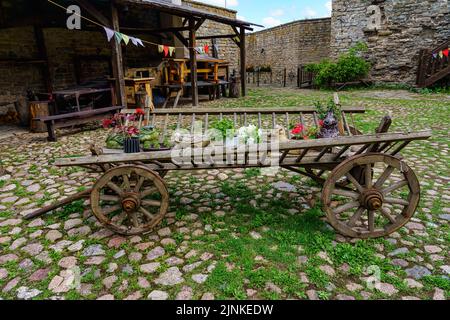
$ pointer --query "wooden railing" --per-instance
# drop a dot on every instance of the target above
(432, 65)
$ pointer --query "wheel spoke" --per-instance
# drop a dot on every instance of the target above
(121, 218)
(385, 212)
(368, 173)
(151, 203)
(112, 209)
(355, 183)
(139, 184)
(126, 182)
(346, 193)
(115, 188)
(346, 207)
(371, 220)
(109, 198)
(355, 217)
(148, 192)
(396, 201)
(134, 219)
(386, 174)
(394, 187)
(147, 214)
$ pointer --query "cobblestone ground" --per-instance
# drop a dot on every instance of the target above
(230, 234)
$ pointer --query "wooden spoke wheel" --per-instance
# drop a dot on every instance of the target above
(382, 199)
(130, 200)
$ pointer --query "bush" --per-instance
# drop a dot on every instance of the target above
(349, 67)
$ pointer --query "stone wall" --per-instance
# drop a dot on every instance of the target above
(228, 50)
(394, 30)
(289, 46)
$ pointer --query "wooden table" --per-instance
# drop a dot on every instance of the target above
(177, 70)
(78, 92)
(134, 85)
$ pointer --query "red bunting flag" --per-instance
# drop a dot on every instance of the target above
(166, 51)
(445, 52)
(206, 48)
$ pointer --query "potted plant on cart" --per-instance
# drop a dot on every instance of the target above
(330, 109)
(125, 133)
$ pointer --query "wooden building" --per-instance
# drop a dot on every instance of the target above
(38, 51)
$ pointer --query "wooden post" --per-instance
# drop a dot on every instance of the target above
(42, 50)
(193, 58)
(118, 61)
(243, 63)
(284, 77)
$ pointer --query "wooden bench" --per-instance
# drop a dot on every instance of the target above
(74, 118)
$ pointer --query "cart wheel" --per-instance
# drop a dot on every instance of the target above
(130, 200)
(377, 204)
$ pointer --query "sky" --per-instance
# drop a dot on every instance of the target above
(271, 13)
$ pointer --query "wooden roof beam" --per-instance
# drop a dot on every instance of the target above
(93, 11)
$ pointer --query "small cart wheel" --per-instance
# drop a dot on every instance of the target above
(379, 202)
(130, 200)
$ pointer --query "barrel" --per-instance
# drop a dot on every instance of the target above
(38, 109)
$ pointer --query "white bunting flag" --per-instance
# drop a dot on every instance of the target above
(109, 33)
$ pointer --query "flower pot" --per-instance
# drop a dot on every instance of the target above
(131, 145)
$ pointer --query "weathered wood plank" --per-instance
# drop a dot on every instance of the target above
(289, 145)
(217, 111)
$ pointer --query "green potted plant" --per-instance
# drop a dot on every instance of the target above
(124, 132)
(150, 139)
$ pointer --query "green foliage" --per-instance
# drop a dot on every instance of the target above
(252, 172)
(349, 67)
(322, 109)
(225, 126)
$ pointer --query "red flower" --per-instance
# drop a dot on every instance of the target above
(132, 131)
(321, 123)
(139, 112)
(107, 123)
(298, 129)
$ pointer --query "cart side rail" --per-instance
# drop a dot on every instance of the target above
(170, 120)
(389, 143)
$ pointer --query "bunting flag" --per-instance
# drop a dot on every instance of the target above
(109, 33)
(441, 54)
(118, 36)
(206, 48)
(160, 48)
(139, 41)
(125, 38)
(445, 52)
(171, 51)
(134, 41)
(435, 55)
(166, 51)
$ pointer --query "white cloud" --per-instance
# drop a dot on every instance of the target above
(222, 3)
(329, 7)
(270, 22)
(277, 13)
(309, 13)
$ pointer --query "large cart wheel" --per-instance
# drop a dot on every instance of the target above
(130, 200)
(377, 203)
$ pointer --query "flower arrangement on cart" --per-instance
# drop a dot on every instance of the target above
(129, 134)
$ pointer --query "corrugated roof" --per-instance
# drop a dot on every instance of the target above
(188, 11)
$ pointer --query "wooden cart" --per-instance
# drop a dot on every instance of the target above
(368, 190)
